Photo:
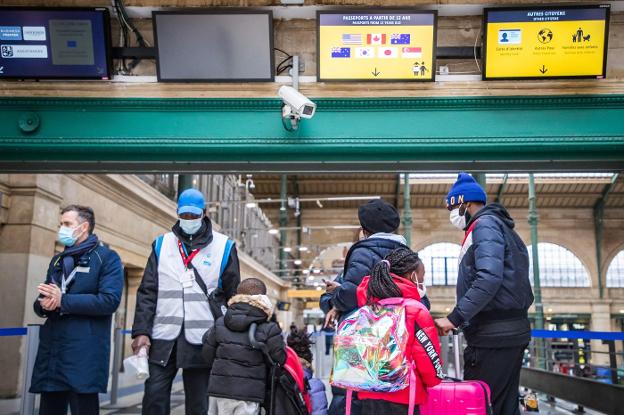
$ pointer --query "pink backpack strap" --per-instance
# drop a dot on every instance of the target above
(349, 401)
(412, 391)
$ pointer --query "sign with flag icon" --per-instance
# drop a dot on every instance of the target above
(384, 45)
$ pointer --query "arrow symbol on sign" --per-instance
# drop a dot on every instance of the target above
(376, 72)
(543, 70)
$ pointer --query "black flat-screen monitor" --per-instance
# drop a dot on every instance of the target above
(54, 43)
(216, 46)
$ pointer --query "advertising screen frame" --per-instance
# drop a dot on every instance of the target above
(487, 10)
(434, 13)
(268, 13)
(107, 41)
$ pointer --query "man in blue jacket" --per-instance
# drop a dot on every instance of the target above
(81, 292)
(379, 221)
(493, 293)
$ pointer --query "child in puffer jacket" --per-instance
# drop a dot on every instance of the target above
(238, 379)
(299, 341)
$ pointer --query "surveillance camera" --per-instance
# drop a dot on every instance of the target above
(300, 105)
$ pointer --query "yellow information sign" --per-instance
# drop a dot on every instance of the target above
(550, 42)
(376, 46)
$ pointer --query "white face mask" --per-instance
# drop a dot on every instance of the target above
(458, 220)
(422, 289)
(190, 226)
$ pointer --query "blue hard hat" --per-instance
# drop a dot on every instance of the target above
(191, 201)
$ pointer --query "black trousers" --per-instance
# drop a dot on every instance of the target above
(56, 403)
(500, 369)
(157, 396)
(381, 407)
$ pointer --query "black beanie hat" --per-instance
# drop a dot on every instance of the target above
(379, 216)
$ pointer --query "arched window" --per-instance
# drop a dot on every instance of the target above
(615, 273)
(440, 263)
(558, 267)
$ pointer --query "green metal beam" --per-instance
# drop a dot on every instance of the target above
(599, 228)
(407, 210)
(89, 134)
(501, 189)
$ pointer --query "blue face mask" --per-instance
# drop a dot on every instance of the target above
(66, 236)
(190, 226)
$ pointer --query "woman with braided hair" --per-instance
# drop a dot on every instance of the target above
(401, 274)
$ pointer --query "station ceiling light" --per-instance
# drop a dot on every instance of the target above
(303, 248)
(273, 231)
(287, 249)
(298, 262)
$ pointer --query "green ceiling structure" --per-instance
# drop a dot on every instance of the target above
(523, 133)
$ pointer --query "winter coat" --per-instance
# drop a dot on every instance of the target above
(187, 355)
(239, 371)
(426, 374)
(325, 302)
(74, 343)
(318, 397)
(359, 262)
(493, 288)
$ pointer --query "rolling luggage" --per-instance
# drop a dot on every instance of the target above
(455, 396)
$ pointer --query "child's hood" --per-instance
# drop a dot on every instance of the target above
(246, 309)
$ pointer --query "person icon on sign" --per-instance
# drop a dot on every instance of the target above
(416, 69)
(504, 38)
(423, 69)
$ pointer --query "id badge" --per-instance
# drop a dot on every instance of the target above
(188, 278)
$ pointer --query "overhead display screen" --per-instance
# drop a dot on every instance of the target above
(376, 45)
(214, 46)
(54, 43)
(546, 42)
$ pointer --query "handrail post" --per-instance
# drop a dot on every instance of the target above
(32, 345)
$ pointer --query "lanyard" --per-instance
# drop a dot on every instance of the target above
(186, 258)
(65, 281)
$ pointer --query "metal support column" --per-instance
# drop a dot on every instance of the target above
(501, 189)
(185, 181)
(480, 178)
(407, 210)
(537, 290)
(283, 222)
(599, 228)
(533, 221)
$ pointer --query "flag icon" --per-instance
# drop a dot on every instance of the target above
(411, 53)
(388, 53)
(364, 52)
(341, 52)
(375, 39)
(400, 39)
(351, 39)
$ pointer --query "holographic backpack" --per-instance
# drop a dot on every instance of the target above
(370, 349)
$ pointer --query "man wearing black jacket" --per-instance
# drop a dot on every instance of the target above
(493, 293)
(190, 274)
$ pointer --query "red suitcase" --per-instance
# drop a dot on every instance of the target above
(455, 397)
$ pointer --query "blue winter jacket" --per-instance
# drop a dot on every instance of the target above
(493, 288)
(360, 260)
(74, 344)
(318, 398)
